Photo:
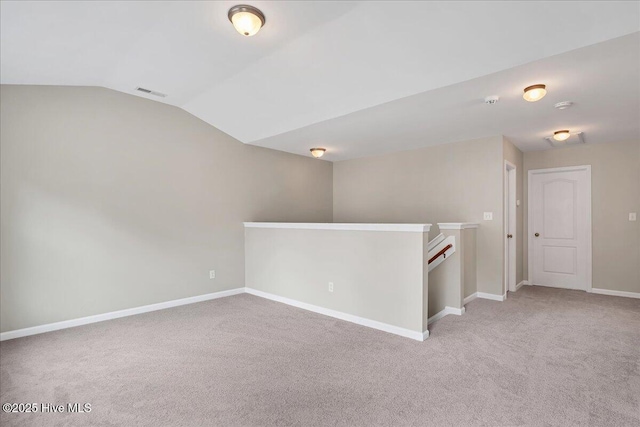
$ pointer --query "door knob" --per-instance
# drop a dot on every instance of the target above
(537, 234)
(509, 236)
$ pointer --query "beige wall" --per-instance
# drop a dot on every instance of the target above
(615, 192)
(377, 275)
(111, 201)
(470, 264)
(446, 183)
(514, 155)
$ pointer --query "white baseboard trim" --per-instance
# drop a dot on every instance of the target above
(407, 333)
(115, 314)
(419, 336)
(519, 285)
(444, 312)
(615, 293)
(493, 297)
(483, 295)
(470, 298)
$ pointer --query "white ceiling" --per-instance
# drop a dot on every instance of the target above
(318, 61)
(602, 80)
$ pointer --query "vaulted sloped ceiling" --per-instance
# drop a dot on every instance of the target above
(316, 62)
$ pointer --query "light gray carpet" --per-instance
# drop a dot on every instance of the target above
(543, 357)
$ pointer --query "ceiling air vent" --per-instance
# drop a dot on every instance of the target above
(150, 92)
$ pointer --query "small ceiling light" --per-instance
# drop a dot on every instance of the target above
(562, 138)
(318, 152)
(247, 20)
(535, 93)
(561, 135)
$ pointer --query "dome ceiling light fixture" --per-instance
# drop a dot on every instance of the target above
(535, 92)
(562, 138)
(247, 20)
(318, 152)
(561, 135)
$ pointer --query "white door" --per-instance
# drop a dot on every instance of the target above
(560, 227)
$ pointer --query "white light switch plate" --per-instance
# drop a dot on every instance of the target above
(632, 216)
(212, 274)
(488, 216)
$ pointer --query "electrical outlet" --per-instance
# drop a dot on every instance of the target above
(330, 286)
(212, 274)
(488, 216)
(632, 216)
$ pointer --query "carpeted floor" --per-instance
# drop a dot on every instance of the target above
(543, 357)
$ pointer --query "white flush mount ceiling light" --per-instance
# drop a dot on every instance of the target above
(561, 135)
(535, 92)
(318, 152)
(247, 20)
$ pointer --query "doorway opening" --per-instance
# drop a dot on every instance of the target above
(510, 236)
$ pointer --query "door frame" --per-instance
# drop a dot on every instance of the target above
(530, 174)
(510, 223)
